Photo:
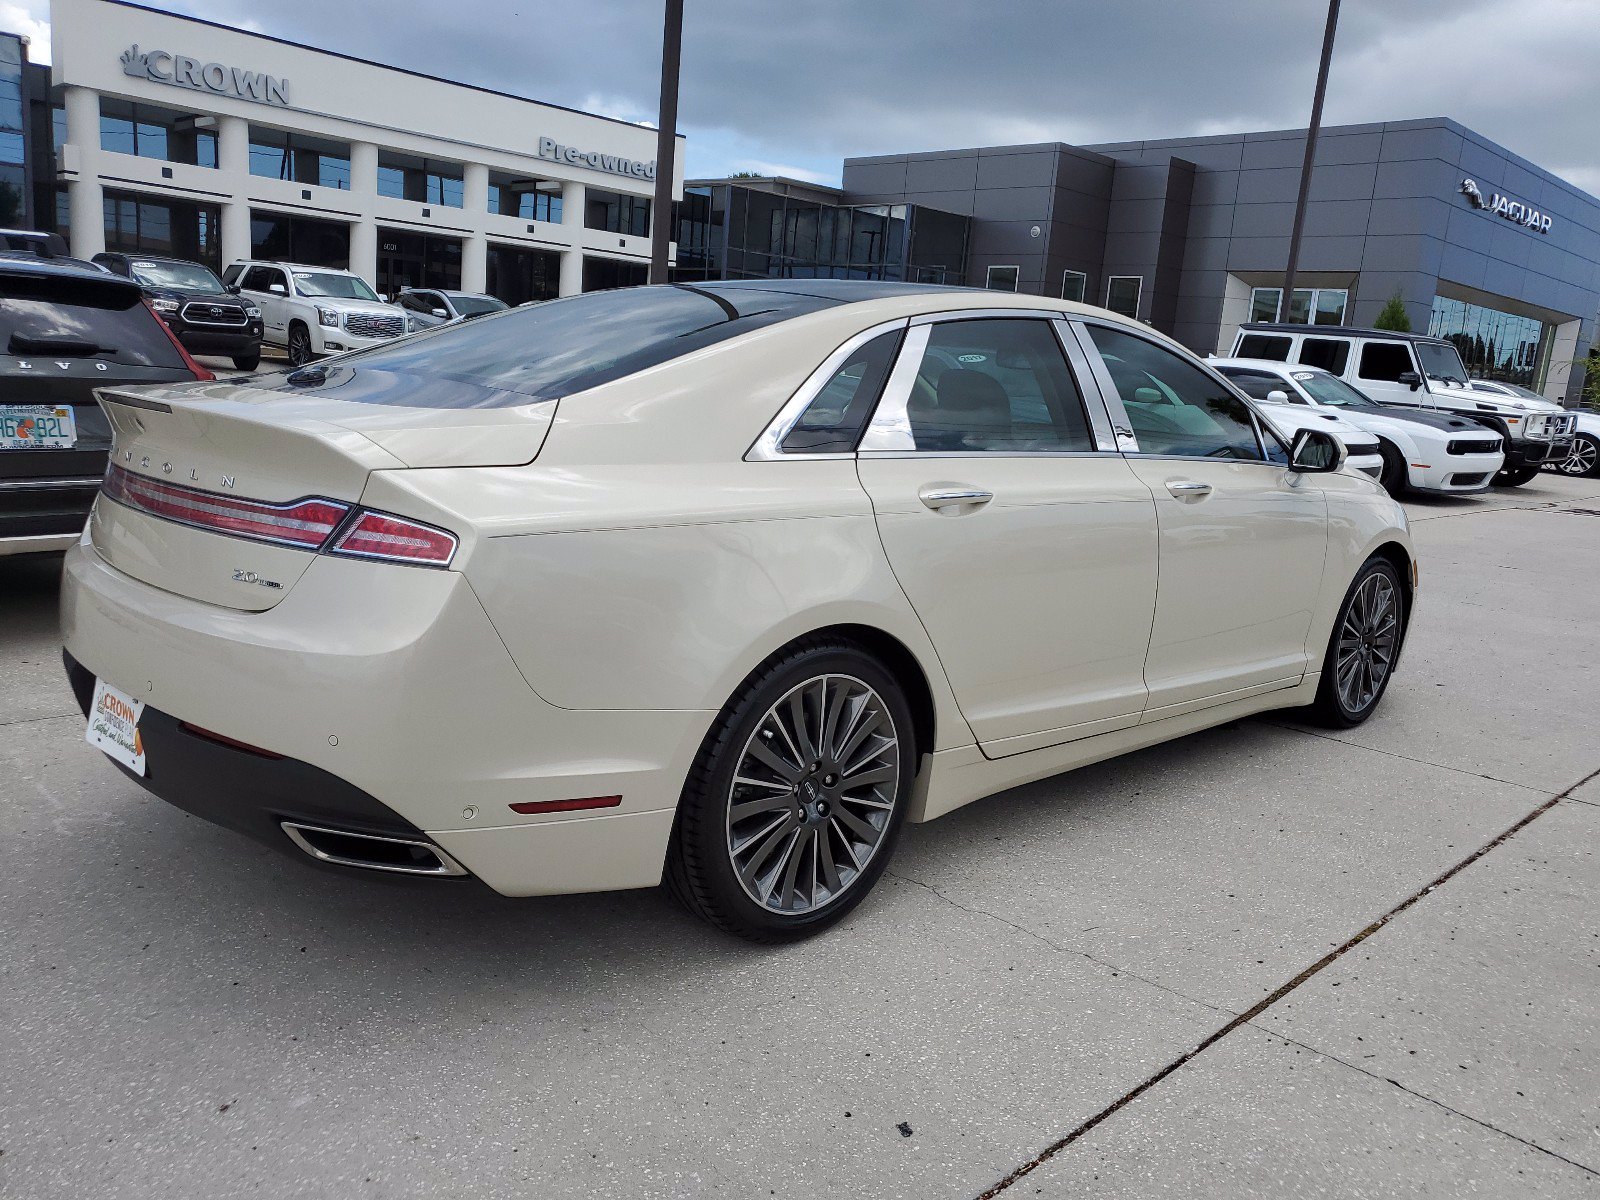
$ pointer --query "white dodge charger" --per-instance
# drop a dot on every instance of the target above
(723, 583)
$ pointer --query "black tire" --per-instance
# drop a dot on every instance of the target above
(1583, 461)
(300, 352)
(1393, 479)
(247, 362)
(1332, 706)
(700, 870)
(1515, 476)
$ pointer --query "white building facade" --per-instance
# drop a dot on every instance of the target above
(180, 136)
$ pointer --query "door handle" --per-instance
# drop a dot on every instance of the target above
(937, 498)
(1188, 487)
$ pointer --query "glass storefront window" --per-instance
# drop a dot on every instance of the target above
(299, 158)
(148, 131)
(524, 198)
(517, 276)
(136, 223)
(417, 260)
(299, 240)
(13, 182)
(1494, 344)
(1328, 305)
(603, 274)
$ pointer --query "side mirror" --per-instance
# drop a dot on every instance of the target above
(1314, 452)
(1410, 378)
(277, 289)
(231, 288)
(1277, 396)
(438, 312)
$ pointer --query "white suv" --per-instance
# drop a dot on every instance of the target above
(312, 311)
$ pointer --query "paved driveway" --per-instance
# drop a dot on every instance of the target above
(1263, 960)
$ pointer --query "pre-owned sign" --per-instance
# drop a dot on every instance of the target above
(554, 151)
(1504, 206)
(180, 70)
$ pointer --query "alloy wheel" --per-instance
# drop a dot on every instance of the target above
(1368, 639)
(299, 348)
(1583, 458)
(813, 794)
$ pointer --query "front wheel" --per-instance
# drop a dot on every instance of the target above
(300, 352)
(794, 804)
(1363, 647)
(247, 362)
(1393, 478)
(1515, 476)
(1584, 457)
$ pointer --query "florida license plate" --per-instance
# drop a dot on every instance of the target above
(114, 726)
(37, 427)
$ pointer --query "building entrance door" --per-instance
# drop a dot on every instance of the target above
(416, 260)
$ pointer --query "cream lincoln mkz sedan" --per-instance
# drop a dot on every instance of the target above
(723, 582)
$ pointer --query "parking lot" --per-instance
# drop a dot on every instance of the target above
(1263, 959)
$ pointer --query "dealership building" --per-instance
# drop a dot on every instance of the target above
(167, 134)
(1192, 234)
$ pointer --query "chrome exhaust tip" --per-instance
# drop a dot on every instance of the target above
(398, 855)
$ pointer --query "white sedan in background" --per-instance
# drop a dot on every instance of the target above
(1419, 451)
(724, 583)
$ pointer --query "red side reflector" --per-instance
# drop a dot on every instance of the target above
(394, 539)
(305, 524)
(200, 373)
(232, 744)
(549, 806)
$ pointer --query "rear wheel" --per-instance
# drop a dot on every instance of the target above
(793, 807)
(1393, 478)
(300, 352)
(1584, 457)
(1363, 647)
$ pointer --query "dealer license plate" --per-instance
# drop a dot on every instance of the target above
(37, 427)
(114, 726)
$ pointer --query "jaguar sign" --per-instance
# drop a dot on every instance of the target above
(1503, 206)
(179, 70)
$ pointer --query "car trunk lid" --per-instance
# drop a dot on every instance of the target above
(222, 492)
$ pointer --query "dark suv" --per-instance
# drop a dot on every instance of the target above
(208, 316)
(64, 331)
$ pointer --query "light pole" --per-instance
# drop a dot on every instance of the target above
(666, 141)
(1305, 167)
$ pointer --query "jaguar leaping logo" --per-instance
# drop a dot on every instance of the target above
(1469, 189)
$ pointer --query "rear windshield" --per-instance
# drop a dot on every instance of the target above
(72, 317)
(560, 347)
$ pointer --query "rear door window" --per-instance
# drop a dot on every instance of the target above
(1331, 354)
(1386, 361)
(1262, 345)
(1000, 385)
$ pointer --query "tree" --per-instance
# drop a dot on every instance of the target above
(1590, 396)
(1394, 315)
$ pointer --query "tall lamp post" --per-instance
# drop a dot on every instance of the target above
(666, 141)
(1305, 168)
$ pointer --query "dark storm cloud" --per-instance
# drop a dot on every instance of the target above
(809, 81)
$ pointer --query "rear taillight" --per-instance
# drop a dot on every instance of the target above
(315, 523)
(306, 524)
(200, 373)
(395, 539)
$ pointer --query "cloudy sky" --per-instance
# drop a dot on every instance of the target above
(794, 87)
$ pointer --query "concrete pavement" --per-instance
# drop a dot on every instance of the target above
(195, 1016)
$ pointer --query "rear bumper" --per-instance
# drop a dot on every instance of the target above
(395, 707)
(44, 512)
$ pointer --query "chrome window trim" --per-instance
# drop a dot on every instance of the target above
(890, 427)
(981, 314)
(1100, 419)
(768, 446)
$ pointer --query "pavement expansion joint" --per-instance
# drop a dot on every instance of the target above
(1421, 762)
(1283, 990)
(1456, 1112)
